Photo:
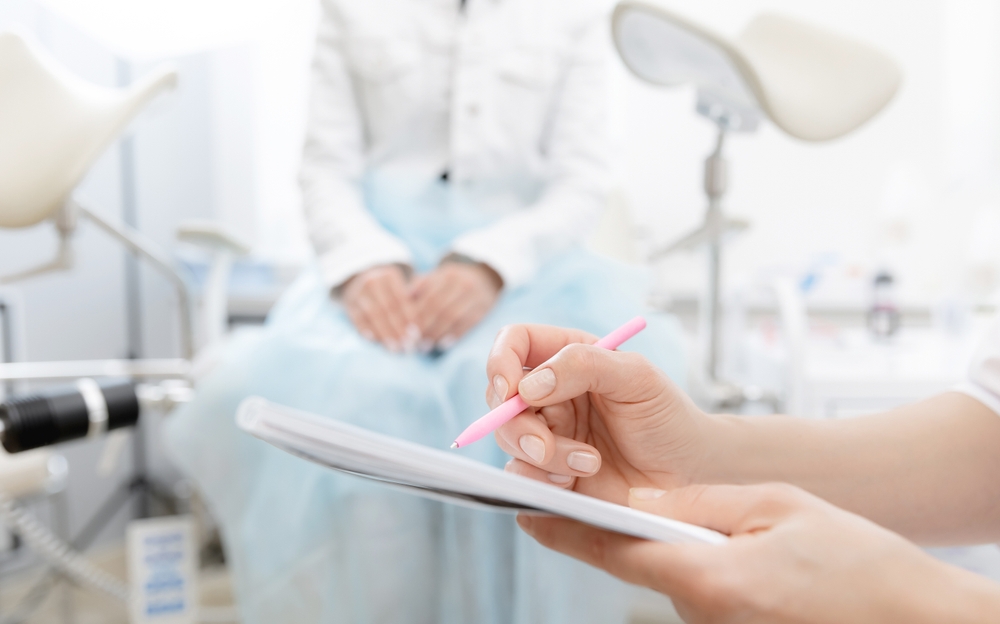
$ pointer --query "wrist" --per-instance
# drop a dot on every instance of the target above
(934, 592)
(491, 275)
(722, 454)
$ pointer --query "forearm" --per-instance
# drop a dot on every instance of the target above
(930, 471)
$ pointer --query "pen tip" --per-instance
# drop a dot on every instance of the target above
(454, 445)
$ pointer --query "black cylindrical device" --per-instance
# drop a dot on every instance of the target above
(86, 409)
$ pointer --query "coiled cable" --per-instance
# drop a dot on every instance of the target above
(58, 553)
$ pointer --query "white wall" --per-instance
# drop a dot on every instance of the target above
(808, 199)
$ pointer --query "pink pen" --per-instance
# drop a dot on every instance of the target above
(515, 404)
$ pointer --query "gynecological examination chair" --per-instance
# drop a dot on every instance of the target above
(812, 84)
(53, 127)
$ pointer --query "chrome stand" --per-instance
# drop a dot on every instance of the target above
(721, 394)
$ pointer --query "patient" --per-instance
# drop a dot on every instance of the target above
(830, 548)
(454, 162)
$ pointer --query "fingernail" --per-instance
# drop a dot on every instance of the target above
(559, 479)
(413, 332)
(500, 387)
(537, 385)
(524, 521)
(583, 462)
(392, 345)
(646, 493)
(533, 447)
(447, 342)
(509, 466)
(367, 334)
(425, 346)
(493, 401)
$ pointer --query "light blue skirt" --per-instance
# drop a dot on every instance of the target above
(308, 545)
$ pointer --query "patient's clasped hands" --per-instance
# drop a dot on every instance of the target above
(409, 314)
(611, 425)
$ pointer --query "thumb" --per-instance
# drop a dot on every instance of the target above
(729, 509)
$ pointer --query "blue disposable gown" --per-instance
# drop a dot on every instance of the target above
(305, 544)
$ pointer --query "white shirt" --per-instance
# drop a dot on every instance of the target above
(984, 373)
(508, 96)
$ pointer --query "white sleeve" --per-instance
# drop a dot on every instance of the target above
(576, 191)
(347, 238)
(983, 383)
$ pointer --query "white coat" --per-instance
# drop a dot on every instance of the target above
(507, 96)
(984, 373)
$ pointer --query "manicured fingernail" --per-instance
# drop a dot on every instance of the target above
(447, 343)
(425, 346)
(392, 345)
(413, 332)
(500, 387)
(646, 493)
(559, 479)
(524, 522)
(409, 344)
(509, 466)
(367, 334)
(537, 385)
(493, 401)
(533, 447)
(583, 462)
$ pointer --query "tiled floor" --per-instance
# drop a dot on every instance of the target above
(71, 605)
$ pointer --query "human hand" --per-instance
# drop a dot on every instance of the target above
(379, 305)
(607, 415)
(792, 557)
(451, 299)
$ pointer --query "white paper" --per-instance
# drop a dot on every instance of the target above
(445, 475)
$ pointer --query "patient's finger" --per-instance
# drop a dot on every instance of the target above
(397, 289)
(466, 314)
(449, 306)
(428, 294)
(528, 438)
(519, 346)
(392, 312)
(377, 316)
(524, 469)
(361, 322)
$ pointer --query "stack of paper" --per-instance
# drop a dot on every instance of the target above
(444, 475)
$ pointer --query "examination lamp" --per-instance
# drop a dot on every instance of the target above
(813, 84)
(87, 409)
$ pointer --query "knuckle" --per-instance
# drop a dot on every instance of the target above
(597, 549)
(691, 495)
(722, 588)
(774, 499)
(780, 493)
(577, 356)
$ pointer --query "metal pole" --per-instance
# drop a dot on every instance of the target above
(142, 246)
(133, 285)
(7, 338)
(715, 188)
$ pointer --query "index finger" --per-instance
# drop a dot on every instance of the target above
(526, 346)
